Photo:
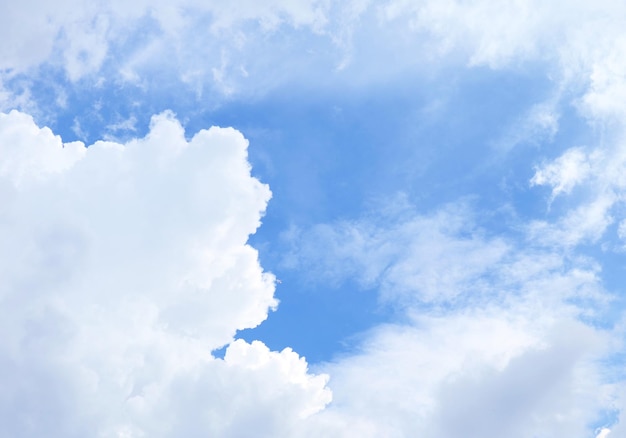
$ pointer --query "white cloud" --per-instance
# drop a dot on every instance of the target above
(564, 173)
(121, 267)
(492, 342)
(29, 153)
(35, 32)
(503, 34)
(473, 374)
(86, 46)
(414, 258)
(580, 42)
(586, 223)
(508, 369)
(190, 39)
(538, 126)
(494, 33)
(580, 47)
(446, 260)
(605, 97)
(599, 172)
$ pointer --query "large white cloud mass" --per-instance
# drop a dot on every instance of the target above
(121, 268)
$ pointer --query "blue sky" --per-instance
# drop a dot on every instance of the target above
(312, 218)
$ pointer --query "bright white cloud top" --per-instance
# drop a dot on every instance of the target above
(462, 162)
(123, 267)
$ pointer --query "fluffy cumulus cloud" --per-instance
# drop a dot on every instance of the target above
(122, 268)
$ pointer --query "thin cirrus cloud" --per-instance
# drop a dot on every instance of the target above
(123, 265)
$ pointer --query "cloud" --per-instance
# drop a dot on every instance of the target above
(122, 266)
(564, 173)
(538, 126)
(580, 49)
(247, 48)
(36, 32)
(484, 373)
(412, 257)
(493, 33)
(492, 340)
(586, 223)
(30, 153)
(446, 371)
(500, 35)
(598, 173)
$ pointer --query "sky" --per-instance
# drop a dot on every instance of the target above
(402, 218)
